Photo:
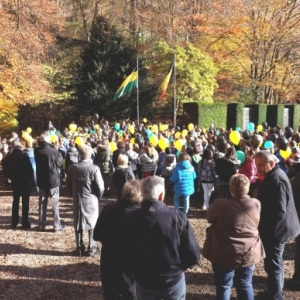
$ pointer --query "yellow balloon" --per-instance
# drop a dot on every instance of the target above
(154, 128)
(166, 127)
(72, 127)
(184, 132)
(179, 144)
(25, 135)
(161, 127)
(153, 140)
(144, 120)
(235, 137)
(54, 138)
(96, 127)
(285, 154)
(204, 130)
(132, 140)
(177, 135)
(163, 143)
(131, 129)
(259, 128)
(190, 126)
(29, 130)
(112, 146)
(79, 141)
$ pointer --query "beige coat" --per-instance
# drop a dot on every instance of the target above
(234, 240)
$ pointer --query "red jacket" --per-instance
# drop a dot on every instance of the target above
(248, 168)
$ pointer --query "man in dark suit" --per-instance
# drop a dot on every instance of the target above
(294, 282)
(279, 222)
(17, 167)
(157, 244)
(48, 164)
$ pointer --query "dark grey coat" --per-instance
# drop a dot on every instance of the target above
(279, 220)
(86, 186)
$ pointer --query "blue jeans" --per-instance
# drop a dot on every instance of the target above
(186, 202)
(274, 269)
(175, 292)
(242, 278)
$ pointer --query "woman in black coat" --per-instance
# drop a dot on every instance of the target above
(115, 284)
(225, 168)
(122, 174)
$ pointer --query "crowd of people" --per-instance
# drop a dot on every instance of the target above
(246, 180)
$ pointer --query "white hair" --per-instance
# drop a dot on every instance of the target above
(45, 137)
(152, 187)
(268, 156)
(85, 152)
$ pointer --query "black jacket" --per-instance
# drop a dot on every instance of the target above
(17, 167)
(279, 221)
(120, 177)
(72, 157)
(157, 244)
(107, 232)
(48, 163)
(225, 168)
(116, 154)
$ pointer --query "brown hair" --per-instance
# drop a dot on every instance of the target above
(131, 192)
(183, 156)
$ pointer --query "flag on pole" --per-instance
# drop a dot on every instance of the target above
(128, 85)
(165, 83)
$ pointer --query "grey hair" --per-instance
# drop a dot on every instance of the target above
(44, 137)
(268, 156)
(17, 144)
(152, 187)
(85, 152)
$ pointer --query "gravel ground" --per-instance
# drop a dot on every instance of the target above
(43, 265)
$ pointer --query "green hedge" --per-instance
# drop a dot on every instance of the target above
(212, 113)
(262, 113)
(280, 114)
(296, 117)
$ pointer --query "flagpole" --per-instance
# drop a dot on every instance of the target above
(175, 102)
(137, 92)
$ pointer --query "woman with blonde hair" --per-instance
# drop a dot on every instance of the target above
(122, 174)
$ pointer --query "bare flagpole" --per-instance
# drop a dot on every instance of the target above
(137, 92)
(175, 101)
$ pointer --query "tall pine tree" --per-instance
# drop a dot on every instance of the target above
(106, 62)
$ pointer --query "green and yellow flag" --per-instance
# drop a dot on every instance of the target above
(128, 85)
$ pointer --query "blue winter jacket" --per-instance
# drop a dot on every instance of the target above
(183, 178)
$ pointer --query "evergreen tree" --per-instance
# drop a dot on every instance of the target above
(106, 62)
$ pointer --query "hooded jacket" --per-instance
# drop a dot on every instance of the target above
(183, 178)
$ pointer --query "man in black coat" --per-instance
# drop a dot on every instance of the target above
(17, 167)
(48, 164)
(278, 222)
(157, 244)
(115, 284)
(294, 283)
